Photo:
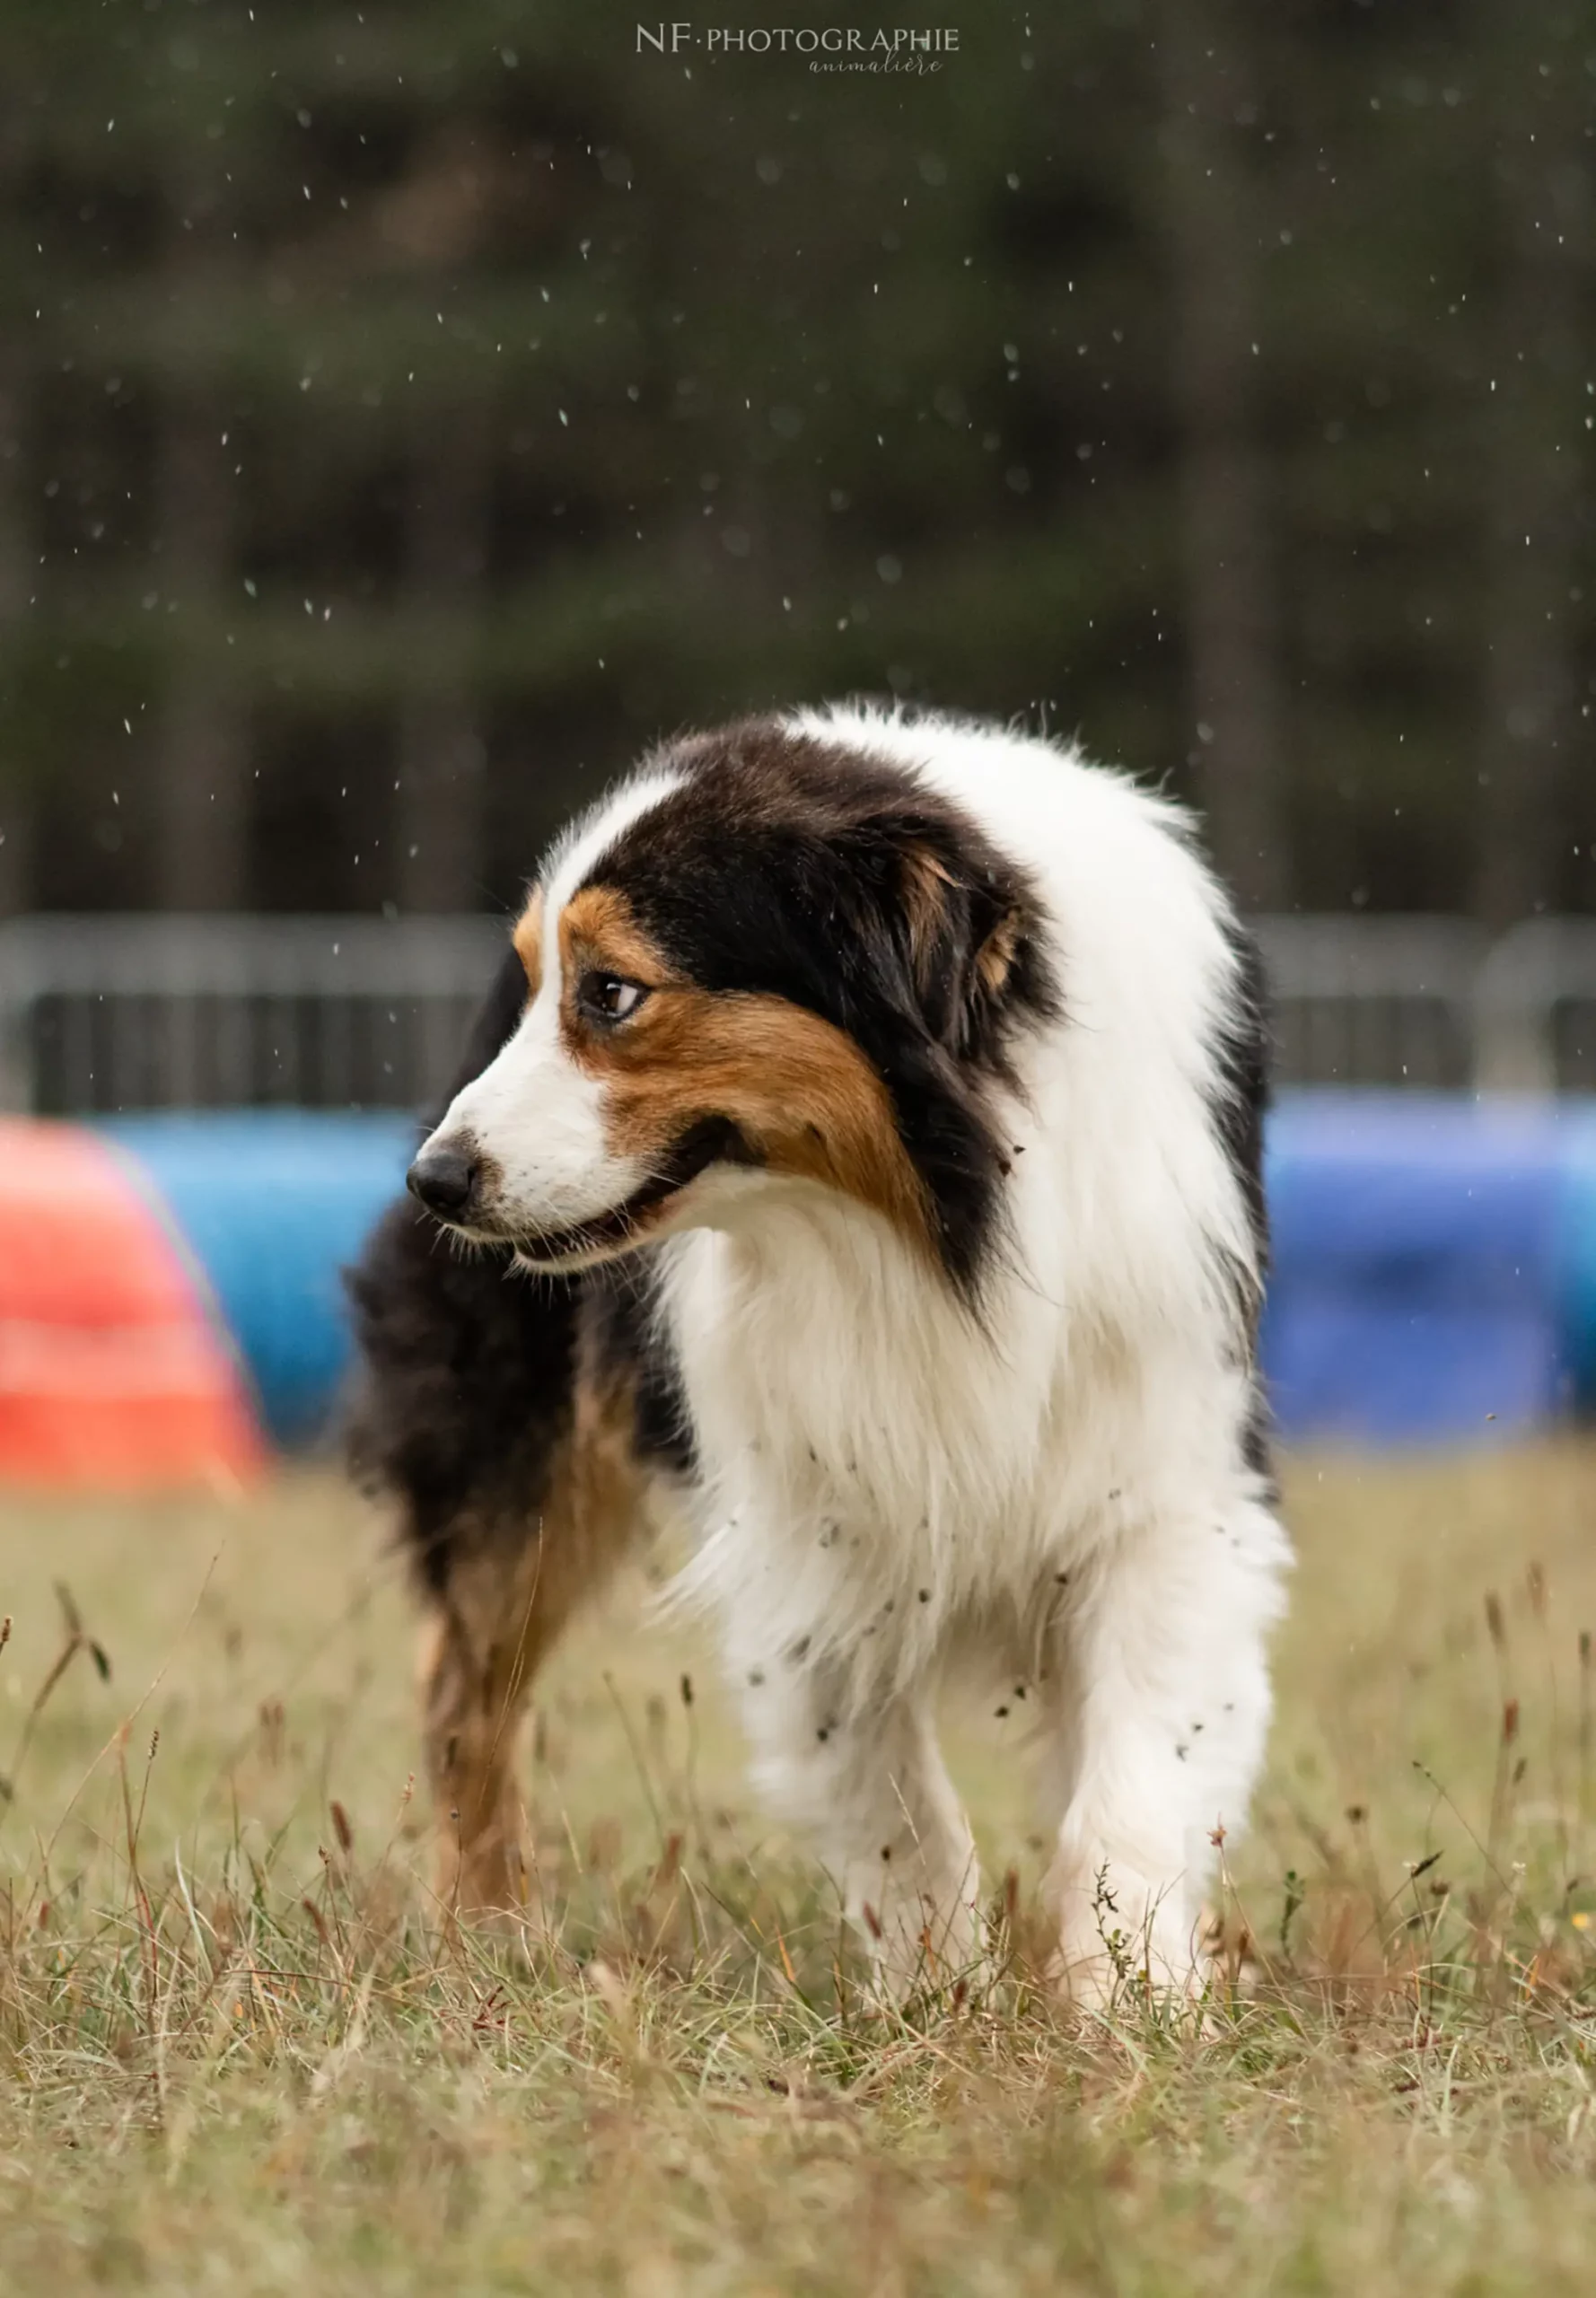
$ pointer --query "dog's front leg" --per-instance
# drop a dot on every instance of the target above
(866, 1777)
(1159, 1703)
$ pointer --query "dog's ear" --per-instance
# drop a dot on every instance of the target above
(954, 922)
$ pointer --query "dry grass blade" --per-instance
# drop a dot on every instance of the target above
(231, 2035)
(76, 1641)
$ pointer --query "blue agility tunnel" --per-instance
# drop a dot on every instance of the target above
(273, 1204)
(1434, 1255)
(1578, 1268)
(1434, 1272)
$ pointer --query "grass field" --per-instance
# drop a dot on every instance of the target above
(244, 2056)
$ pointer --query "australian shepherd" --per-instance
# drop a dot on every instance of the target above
(860, 1146)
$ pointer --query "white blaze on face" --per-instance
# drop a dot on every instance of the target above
(533, 1117)
(537, 1123)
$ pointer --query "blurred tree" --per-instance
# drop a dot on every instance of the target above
(1214, 229)
(572, 392)
(16, 812)
(1539, 115)
(16, 802)
(442, 761)
(202, 760)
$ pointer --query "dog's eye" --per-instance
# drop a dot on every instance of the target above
(608, 998)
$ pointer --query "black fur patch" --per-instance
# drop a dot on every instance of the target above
(620, 1330)
(1244, 1095)
(467, 1386)
(1240, 1110)
(467, 1372)
(1257, 1451)
(789, 866)
(468, 1369)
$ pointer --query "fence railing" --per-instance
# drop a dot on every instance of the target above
(105, 1012)
(1373, 1001)
(1535, 1007)
(162, 1011)
(1433, 1001)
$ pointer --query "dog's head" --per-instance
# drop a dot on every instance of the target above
(768, 963)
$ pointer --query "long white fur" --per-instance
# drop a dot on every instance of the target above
(1053, 1496)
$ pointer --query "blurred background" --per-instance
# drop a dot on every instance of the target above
(407, 412)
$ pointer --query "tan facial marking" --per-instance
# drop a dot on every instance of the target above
(527, 938)
(800, 1091)
(598, 933)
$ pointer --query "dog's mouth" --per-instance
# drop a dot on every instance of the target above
(621, 1230)
(634, 1222)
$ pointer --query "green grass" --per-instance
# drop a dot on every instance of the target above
(241, 2054)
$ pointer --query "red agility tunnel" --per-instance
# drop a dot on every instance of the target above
(113, 1371)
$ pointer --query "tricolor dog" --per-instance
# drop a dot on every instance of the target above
(861, 1148)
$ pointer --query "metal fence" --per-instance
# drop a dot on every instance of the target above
(1535, 1008)
(1373, 1001)
(152, 1012)
(106, 1013)
(1433, 1001)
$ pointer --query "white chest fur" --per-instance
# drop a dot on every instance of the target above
(874, 1464)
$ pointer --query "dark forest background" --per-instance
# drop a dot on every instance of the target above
(408, 410)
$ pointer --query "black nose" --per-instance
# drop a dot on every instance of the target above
(441, 1178)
